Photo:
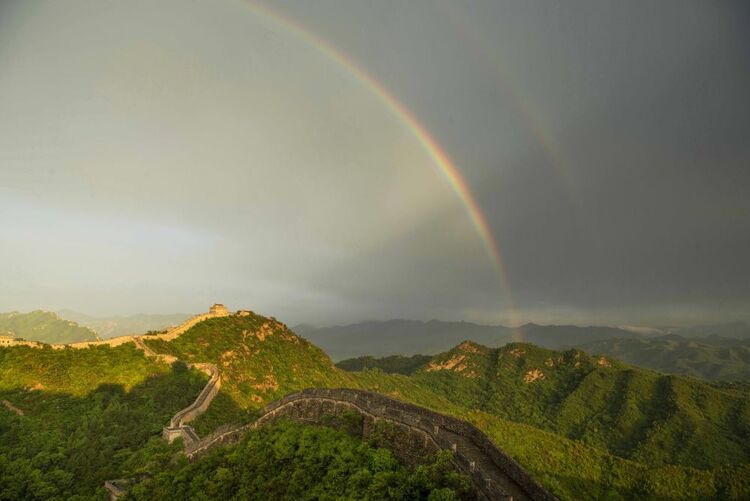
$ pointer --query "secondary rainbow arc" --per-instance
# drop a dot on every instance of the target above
(439, 156)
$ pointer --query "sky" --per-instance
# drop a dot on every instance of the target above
(334, 161)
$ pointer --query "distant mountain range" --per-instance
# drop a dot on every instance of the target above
(405, 343)
(712, 357)
(412, 337)
(43, 326)
(738, 330)
(400, 337)
(107, 327)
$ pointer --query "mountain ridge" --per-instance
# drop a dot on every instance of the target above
(417, 337)
(45, 327)
(122, 325)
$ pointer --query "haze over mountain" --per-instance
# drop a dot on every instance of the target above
(737, 330)
(708, 357)
(399, 337)
(714, 357)
(43, 326)
(107, 327)
(410, 337)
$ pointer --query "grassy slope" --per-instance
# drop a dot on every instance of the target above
(86, 413)
(45, 327)
(75, 372)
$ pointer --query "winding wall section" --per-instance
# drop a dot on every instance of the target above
(217, 310)
(178, 427)
(413, 433)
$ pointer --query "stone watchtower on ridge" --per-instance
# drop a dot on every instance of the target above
(218, 309)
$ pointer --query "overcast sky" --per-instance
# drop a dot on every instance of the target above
(161, 156)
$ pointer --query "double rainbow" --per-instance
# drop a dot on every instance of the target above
(441, 159)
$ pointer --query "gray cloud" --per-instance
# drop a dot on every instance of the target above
(160, 157)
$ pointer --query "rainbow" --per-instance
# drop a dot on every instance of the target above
(441, 159)
(526, 106)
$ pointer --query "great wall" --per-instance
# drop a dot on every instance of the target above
(178, 427)
(411, 432)
(217, 310)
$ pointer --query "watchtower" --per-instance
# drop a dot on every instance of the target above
(218, 310)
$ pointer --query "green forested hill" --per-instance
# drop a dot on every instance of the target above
(108, 327)
(70, 419)
(394, 364)
(260, 361)
(44, 326)
(633, 413)
(292, 461)
(714, 357)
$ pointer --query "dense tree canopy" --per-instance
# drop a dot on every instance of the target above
(292, 461)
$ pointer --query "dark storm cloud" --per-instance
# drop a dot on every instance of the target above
(169, 155)
(646, 201)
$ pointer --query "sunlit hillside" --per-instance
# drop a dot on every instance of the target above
(43, 326)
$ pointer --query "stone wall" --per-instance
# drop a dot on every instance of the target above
(171, 334)
(203, 400)
(178, 427)
(112, 342)
(176, 332)
(412, 432)
(8, 341)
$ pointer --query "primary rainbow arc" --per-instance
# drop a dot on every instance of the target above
(442, 160)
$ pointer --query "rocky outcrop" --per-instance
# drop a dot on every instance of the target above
(12, 408)
(412, 433)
